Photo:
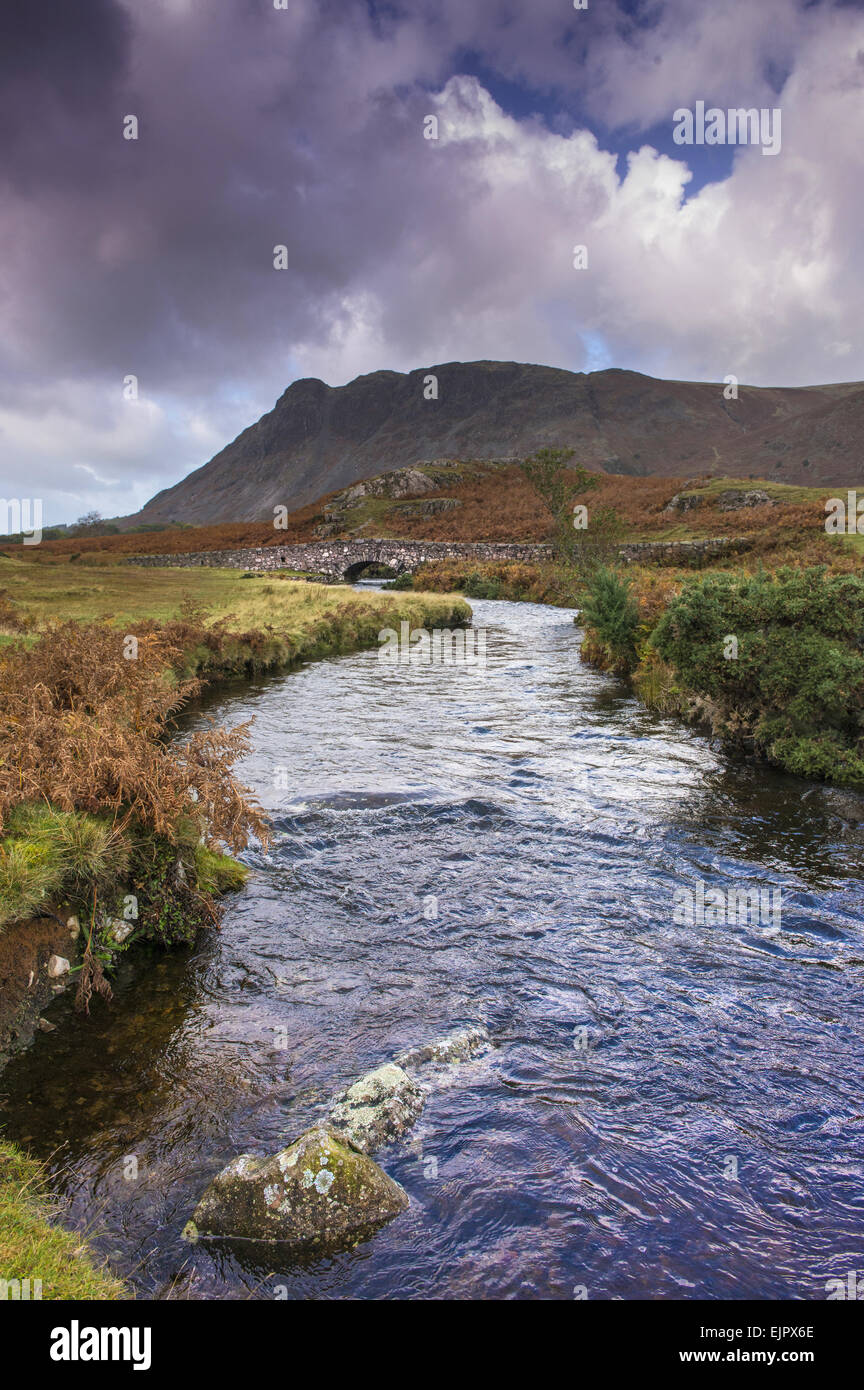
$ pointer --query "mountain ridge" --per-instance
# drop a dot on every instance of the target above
(319, 438)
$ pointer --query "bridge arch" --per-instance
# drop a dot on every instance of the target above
(357, 569)
(393, 556)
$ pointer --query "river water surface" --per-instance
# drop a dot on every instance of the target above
(669, 1110)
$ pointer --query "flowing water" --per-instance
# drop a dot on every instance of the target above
(670, 1110)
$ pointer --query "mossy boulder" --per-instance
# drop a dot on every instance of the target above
(378, 1108)
(319, 1193)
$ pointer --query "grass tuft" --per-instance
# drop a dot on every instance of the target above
(33, 1249)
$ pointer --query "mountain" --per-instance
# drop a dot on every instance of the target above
(319, 438)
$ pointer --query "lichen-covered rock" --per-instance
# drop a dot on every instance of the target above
(735, 499)
(456, 1047)
(318, 1193)
(378, 1108)
(685, 502)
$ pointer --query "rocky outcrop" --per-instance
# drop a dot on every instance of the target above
(736, 499)
(401, 482)
(733, 499)
(318, 1194)
(377, 1109)
(686, 502)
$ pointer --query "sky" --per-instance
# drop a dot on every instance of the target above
(304, 126)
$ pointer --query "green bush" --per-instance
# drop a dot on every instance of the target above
(611, 619)
(795, 687)
(405, 580)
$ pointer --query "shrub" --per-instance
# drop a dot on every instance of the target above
(82, 728)
(405, 580)
(611, 620)
(795, 689)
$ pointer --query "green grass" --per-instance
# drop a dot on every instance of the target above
(49, 856)
(46, 853)
(31, 1248)
(790, 493)
(124, 594)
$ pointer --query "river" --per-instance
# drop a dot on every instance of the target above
(671, 1109)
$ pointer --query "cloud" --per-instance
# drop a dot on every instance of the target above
(304, 127)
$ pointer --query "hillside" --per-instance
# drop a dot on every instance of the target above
(491, 501)
(319, 438)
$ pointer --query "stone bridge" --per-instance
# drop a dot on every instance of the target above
(346, 560)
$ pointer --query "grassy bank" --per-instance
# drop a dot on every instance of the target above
(263, 603)
(94, 804)
(32, 1248)
(108, 824)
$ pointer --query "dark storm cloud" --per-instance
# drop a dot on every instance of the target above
(303, 127)
(61, 65)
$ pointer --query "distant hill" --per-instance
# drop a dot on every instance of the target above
(320, 438)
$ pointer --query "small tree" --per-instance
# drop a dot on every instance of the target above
(88, 524)
(597, 544)
(611, 620)
(557, 481)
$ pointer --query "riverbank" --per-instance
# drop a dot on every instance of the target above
(758, 653)
(111, 836)
(94, 805)
(38, 1259)
(769, 664)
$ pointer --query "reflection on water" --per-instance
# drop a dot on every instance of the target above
(671, 1111)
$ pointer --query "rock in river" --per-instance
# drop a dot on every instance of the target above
(456, 1047)
(378, 1108)
(319, 1192)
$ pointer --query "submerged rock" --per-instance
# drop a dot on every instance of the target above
(319, 1192)
(378, 1108)
(456, 1047)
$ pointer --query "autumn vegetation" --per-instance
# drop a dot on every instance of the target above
(99, 796)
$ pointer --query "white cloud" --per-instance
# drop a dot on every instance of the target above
(405, 252)
(760, 274)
